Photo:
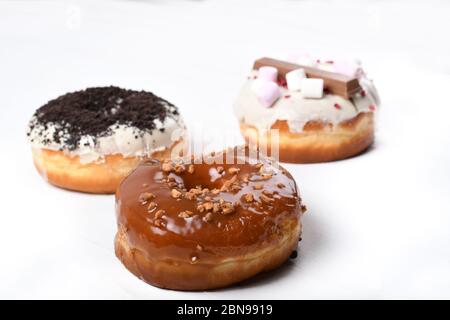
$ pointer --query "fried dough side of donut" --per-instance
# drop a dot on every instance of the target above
(318, 142)
(194, 277)
(175, 229)
(96, 177)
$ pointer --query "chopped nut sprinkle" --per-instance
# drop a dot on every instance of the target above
(159, 223)
(194, 259)
(259, 165)
(191, 168)
(146, 196)
(172, 184)
(227, 208)
(208, 206)
(195, 191)
(152, 206)
(227, 184)
(208, 217)
(159, 213)
(266, 176)
(167, 166)
(215, 191)
(216, 207)
(179, 168)
(220, 170)
(233, 170)
(200, 208)
(257, 186)
(189, 195)
(175, 193)
(265, 199)
(235, 187)
(207, 198)
(248, 197)
(185, 214)
(199, 247)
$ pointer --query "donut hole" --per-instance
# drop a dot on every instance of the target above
(204, 177)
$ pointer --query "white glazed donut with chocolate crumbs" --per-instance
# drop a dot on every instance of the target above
(89, 140)
(323, 112)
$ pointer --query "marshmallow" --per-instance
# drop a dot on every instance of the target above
(268, 73)
(312, 88)
(268, 92)
(256, 85)
(294, 79)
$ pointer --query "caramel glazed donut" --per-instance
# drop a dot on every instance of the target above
(315, 125)
(191, 226)
(90, 140)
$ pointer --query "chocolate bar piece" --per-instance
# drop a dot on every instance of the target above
(335, 83)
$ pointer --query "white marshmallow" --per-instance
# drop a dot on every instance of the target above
(294, 79)
(257, 85)
(312, 88)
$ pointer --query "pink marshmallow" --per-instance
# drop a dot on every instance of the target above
(268, 73)
(267, 93)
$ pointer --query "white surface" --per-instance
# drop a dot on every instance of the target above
(377, 225)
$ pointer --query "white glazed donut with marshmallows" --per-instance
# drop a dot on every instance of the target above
(303, 104)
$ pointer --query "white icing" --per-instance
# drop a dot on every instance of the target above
(297, 110)
(121, 139)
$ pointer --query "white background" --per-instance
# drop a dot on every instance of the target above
(378, 225)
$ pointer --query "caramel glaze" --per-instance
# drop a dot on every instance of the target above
(204, 236)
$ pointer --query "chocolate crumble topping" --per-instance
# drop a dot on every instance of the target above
(94, 111)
